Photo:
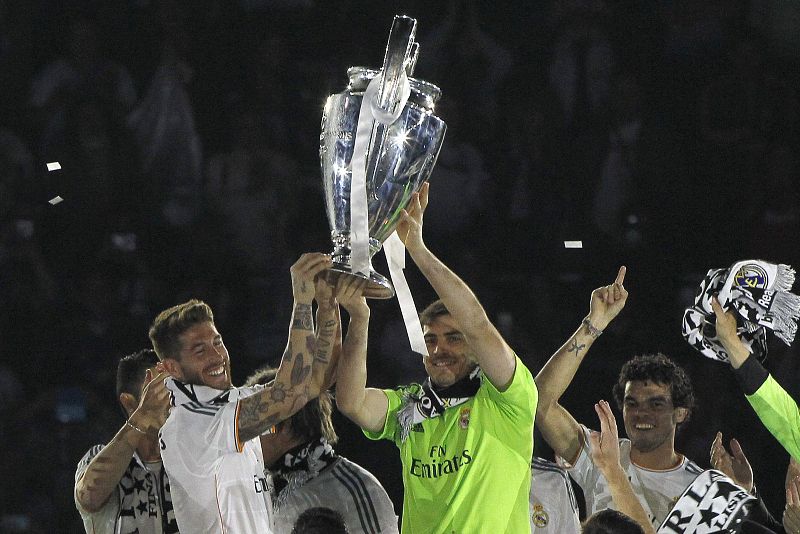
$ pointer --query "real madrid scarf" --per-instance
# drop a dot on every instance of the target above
(712, 503)
(425, 401)
(300, 465)
(758, 292)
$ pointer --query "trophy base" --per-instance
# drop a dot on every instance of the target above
(378, 286)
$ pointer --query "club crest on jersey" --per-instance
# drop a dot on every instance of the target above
(539, 516)
(463, 420)
(751, 276)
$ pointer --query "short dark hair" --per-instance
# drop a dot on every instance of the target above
(172, 322)
(131, 370)
(320, 520)
(610, 521)
(660, 369)
(434, 310)
(312, 421)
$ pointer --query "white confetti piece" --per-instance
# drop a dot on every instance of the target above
(573, 244)
(55, 200)
(54, 166)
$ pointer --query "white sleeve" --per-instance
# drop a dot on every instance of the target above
(220, 430)
(583, 471)
(104, 519)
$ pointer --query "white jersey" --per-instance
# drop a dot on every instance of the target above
(553, 507)
(141, 502)
(343, 486)
(658, 491)
(218, 484)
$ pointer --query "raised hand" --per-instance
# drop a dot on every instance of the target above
(409, 229)
(608, 301)
(349, 293)
(153, 407)
(304, 272)
(791, 514)
(324, 293)
(726, 322)
(605, 444)
(733, 465)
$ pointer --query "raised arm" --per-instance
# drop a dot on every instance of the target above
(365, 406)
(494, 355)
(605, 455)
(328, 344)
(559, 428)
(293, 385)
(98, 482)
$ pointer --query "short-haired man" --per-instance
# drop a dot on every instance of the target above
(209, 443)
(465, 434)
(121, 486)
(655, 396)
(307, 472)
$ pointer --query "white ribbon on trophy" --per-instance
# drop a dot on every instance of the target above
(396, 258)
(394, 249)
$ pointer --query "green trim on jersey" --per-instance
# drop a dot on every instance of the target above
(468, 470)
(779, 413)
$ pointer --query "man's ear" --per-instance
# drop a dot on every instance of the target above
(681, 414)
(129, 402)
(172, 367)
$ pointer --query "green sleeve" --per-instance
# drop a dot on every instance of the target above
(779, 413)
(521, 396)
(390, 426)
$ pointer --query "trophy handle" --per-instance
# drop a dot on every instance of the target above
(400, 53)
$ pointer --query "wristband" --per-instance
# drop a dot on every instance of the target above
(136, 428)
(593, 330)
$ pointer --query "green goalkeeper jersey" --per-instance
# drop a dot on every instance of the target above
(468, 470)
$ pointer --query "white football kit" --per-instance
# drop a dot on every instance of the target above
(553, 507)
(218, 484)
(658, 491)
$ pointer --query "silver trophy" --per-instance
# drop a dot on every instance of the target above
(399, 158)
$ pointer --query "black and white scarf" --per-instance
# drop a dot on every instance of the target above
(298, 466)
(713, 503)
(758, 292)
(425, 401)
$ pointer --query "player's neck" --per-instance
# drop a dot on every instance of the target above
(660, 459)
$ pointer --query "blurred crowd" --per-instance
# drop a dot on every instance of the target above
(663, 135)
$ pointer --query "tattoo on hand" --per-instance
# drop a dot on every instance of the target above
(576, 348)
(303, 319)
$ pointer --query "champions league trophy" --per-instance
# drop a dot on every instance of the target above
(387, 145)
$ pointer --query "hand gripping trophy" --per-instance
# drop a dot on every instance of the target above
(378, 145)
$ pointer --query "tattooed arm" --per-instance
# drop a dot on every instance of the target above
(292, 386)
(328, 340)
(95, 486)
(561, 430)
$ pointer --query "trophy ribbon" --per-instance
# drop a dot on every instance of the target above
(359, 213)
(396, 258)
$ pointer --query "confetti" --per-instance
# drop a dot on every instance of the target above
(573, 244)
(55, 200)
(54, 166)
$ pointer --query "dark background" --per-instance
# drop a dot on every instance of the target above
(663, 135)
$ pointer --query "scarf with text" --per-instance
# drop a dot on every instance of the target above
(759, 294)
(425, 401)
(712, 503)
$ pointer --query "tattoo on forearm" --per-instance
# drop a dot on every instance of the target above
(299, 370)
(324, 341)
(576, 348)
(302, 319)
(287, 354)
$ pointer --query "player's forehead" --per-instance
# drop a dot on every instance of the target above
(441, 326)
(198, 333)
(642, 390)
